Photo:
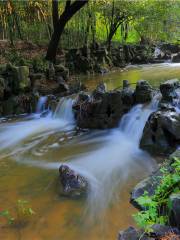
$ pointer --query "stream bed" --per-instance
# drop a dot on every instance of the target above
(32, 148)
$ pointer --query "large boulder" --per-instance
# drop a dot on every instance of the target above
(161, 134)
(127, 94)
(128, 234)
(23, 78)
(19, 104)
(150, 183)
(99, 111)
(61, 71)
(143, 92)
(176, 58)
(174, 203)
(72, 184)
(169, 90)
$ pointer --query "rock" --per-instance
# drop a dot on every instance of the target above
(19, 104)
(101, 110)
(168, 90)
(73, 184)
(23, 77)
(100, 89)
(61, 71)
(127, 96)
(46, 87)
(159, 230)
(174, 203)
(132, 234)
(176, 58)
(76, 87)
(51, 71)
(143, 92)
(126, 84)
(2, 88)
(129, 234)
(148, 185)
(161, 134)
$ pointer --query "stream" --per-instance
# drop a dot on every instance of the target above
(32, 148)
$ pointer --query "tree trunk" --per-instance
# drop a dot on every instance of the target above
(69, 12)
(53, 44)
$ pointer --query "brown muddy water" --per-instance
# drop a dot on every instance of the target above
(32, 149)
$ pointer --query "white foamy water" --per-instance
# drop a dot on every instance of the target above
(12, 134)
(41, 106)
(106, 168)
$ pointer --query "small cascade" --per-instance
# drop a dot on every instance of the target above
(132, 123)
(157, 52)
(41, 105)
(63, 120)
(64, 110)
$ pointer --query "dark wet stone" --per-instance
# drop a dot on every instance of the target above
(128, 234)
(174, 201)
(61, 71)
(176, 58)
(159, 230)
(168, 90)
(161, 134)
(143, 92)
(2, 88)
(72, 184)
(127, 96)
(101, 110)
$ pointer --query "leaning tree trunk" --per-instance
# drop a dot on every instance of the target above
(53, 44)
(59, 24)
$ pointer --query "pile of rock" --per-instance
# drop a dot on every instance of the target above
(104, 109)
(161, 134)
(21, 86)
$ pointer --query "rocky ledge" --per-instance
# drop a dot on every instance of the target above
(149, 186)
(103, 109)
(161, 134)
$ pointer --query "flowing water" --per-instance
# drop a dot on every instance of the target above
(32, 149)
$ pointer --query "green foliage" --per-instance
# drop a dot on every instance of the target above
(15, 58)
(157, 207)
(19, 214)
(152, 20)
(39, 64)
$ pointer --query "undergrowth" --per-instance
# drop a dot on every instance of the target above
(157, 207)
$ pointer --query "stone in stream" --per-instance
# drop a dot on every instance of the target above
(169, 90)
(143, 92)
(176, 58)
(127, 94)
(161, 134)
(102, 109)
(72, 184)
(99, 111)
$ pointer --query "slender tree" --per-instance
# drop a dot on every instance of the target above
(59, 23)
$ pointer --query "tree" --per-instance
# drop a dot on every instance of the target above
(59, 23)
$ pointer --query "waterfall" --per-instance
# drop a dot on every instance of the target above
(41, 105)
(110, 165)
(16, 132)
(64, 110)
(106, 168)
